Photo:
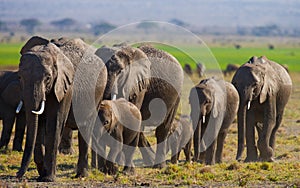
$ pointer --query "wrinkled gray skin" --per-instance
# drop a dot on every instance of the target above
(47, 70)
(264, 88)
(9, 100)
(181, 136)
(214, 104)
(122, 123)
(154, 65)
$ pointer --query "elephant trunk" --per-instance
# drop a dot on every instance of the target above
(109, 86)
(31, 133)
(241, 130)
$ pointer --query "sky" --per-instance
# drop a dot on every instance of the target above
(232, 13)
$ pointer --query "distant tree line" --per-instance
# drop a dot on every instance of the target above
(30, 25)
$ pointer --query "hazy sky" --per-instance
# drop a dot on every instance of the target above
(196, 12)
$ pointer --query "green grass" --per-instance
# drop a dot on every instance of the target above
(9, 55)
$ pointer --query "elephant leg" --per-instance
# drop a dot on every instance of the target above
(82, 164)
(94, 159)
(210, 154)
(146, 150)
(8, 123)
(187, 151)
(39, 150)
(115, 149)
(197, 143)
(220, 145)
(161, 134)
(129, 152)
(273, 134)
(19, 132)
(161, 150)
(65, 146)
(174, 150)
(266, 152)
(250, 137)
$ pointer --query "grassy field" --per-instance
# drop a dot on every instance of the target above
(282, 173)
(9, 55)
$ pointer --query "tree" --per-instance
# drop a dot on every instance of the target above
(64, 24)
(3, 26)
(179, 22)
(30, 24)
(102, 28)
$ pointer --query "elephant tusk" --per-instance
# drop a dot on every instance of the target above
(19, 107)
(114, 97)
(41, 110)
(249, 105)
(203, 119)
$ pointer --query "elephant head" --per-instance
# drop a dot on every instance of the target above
(128, 69)
(43, 72)
(107, 116)
(254, 82)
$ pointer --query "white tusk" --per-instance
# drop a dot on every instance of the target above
(203, 119)
(249, 105)
(114, 97)
(41, 110)
(19, 107)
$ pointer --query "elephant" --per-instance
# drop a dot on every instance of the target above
(214, 104)
(181, 135)
(9, 100)
(200, 69)
(230, 68)
(122, 121)
(152, 80)
(264, 88)
(61, 80)
(188, 69)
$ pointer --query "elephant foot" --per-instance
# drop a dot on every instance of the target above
(269, 159)
(17, 148)
(112, 169)
(250, 159)
(67, 151)
(82, 173)
(128, 170)
(46, 178)
(160, 165)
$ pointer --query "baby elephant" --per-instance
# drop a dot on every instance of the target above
(214, 104)
(180, 137)
(122, 121)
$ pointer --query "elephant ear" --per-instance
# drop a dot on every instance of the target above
(219, 98)
(268, 88)
(11, 94)
(65, 76)
(33, 41)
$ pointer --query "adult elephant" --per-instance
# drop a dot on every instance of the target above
(9, 100)
(152, 80)
(53, 75)
(214, 104)
(264, 88)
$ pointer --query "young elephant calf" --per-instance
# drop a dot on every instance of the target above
(121, 121)
(180, 138)
(214, 104)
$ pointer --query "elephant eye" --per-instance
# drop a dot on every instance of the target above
(113, 58)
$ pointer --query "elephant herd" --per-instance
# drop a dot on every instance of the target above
(112, 94)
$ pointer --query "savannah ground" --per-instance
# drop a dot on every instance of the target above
(285, 172)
